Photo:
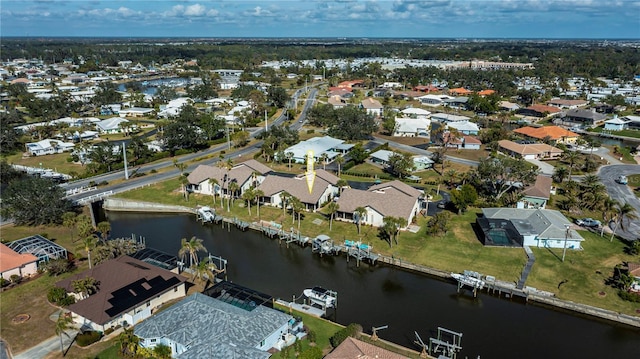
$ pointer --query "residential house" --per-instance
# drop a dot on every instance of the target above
(485, 93)
(508, 106)
(459, 103)
(128, 291)
(421, 163)
(567, 104)
(238, 324)
(352, 348)
(342, 92)
(425, 88)
(433, 100)
(246, 174)
(325, 188)
(13, 263)
(413, 112)
(616, 124)
(530, 151)
(540, 111)
(394, 198)
(337, 102)
(517, 227)
(460, 91)
(581, 118)
(381, 157)
(136, 112)
(464, 127)
(320, 146)
(44, 249)
(554, 134)
(634, 122)
(447, 118)
(462, 143)
(372, 106)
(111, 125)
(537, 195)
(48, 146)
(412, 127)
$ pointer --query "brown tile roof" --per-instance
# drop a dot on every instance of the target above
(530, 149)
(336, 101)
(470, 140)
(296, 186)
(125, 283)
(9, 259)
(370, 103)
(564, 102)
(352, 348)
(541, 188)
(554, 132)
(543, 109)
(399, 185)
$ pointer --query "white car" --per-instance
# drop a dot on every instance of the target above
(588, 222)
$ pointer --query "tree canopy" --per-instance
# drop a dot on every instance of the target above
(34, 201)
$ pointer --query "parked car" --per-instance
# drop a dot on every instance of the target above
(588, 222)
(443, 204)
(622, 179)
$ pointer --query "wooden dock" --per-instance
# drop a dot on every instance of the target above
(304, 308)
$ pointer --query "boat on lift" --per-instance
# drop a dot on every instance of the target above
(321, 296)
(468, 280)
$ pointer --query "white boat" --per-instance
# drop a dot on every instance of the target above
(320, 296)
(468, 280)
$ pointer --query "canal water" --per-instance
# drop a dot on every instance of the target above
(377, 296)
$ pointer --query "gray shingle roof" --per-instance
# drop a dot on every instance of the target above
(296, 186)
(545, 223)
(211, 328)
(390, 202)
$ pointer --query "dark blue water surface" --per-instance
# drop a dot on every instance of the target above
(374, 296)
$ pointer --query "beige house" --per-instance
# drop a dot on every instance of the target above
(246, 174)
(129, 291)
(540, 151)
(372, 106)
(13, 263)
(394, 198)
(325, 188)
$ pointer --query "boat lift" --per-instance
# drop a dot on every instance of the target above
(374, 336)
(440, 345)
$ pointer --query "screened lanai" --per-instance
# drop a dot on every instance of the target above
(40, 247)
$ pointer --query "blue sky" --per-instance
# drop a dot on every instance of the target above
(324, 18)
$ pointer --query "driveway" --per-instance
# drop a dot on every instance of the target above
(622, 193)
(545, 168)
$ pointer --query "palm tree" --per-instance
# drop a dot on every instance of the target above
(297, 206)
(560, 173)
(248, 197)
(84, 226)
(233, 188)
(609, 206)
(104, 228)
(359, 212)
(205, 270)
(183, 179)
(162, 351)
(63, 324)
(69, 220)
(128, 342)
(332, 208)
(214, 184)
(191, 248)
(342, 183)
(625, 212)
(88, 244)
(324, 158)
(284, 197)
(339, 161)
(289, 156)
(572, 158)
(85, 286)
(258, 193)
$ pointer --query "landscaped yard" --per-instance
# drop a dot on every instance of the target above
(625, 133)
(57, 162)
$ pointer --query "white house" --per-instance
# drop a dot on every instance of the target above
(542, 228)
(235, 325)
(111, 125)
(412, 127)
(381, 156)
(318, 145)
(422, 163)
(174, 107)
(448, 118)
(136, 112)
(246, 174)
(48, 147)
(464, 127)
(372, 106)
(325, 187)
(616, 124)
(414, 112)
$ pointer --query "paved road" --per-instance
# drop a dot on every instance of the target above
(153, 178)
(43, 349)
(622, 193)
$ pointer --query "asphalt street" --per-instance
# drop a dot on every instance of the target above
(623, 193)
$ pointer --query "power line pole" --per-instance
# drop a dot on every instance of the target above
(566, 235)
(124, 154)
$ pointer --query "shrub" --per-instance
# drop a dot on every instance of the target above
(109, 331)
(628, 296)
(310, 131)
(88, 338)
(3, 282)
(15, 278)
(153, 171)
(58, 266)
(311, 336)
(60, 297)
(351, 330)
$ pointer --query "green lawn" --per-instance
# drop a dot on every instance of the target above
(625, 133)
(57, 162)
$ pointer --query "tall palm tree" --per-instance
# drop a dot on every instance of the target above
(359, 212)
(342, 183)
(205, 270)
(339, 161)
(284, 197)
(258, 193)
(63, 323)
(191, 248)
(572, 158)
(214, 184)
(88, 244)
(248, 197)
(84, 226)
(297, 206)
(560, 174)
(626, 212)
(609, 206)
(332, 208)
(233, 188)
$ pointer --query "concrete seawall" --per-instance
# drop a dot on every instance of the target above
(127, 205)
(529, 294)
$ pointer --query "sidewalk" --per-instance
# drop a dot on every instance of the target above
(48, 346)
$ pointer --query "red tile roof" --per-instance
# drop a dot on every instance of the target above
(553, 132)
(9, 259)
(460, 91)
(543, 109)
